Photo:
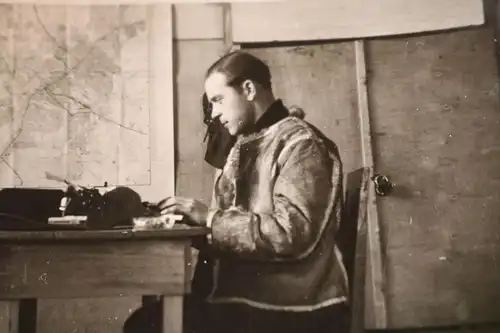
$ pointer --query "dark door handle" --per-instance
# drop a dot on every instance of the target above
(383, 185)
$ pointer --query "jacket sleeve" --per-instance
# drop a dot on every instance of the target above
(305, 194)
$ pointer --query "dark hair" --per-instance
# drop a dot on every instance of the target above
(239, 66)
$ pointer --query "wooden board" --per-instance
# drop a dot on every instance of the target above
(162, 104)
(194, 176)
(198, 21)
(103, 269)
(321, 79)
(74, 236)
(435, 129)
(323, 19)
(126, 2)
(374, 307)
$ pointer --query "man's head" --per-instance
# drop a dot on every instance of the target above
(239, 87)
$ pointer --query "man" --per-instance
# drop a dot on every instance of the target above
(276, 209)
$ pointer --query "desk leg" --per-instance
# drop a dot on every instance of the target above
(9, 316)
(18, 316)
(150, 299)
(172, 314)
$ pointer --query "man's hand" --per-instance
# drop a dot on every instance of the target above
(194, 211)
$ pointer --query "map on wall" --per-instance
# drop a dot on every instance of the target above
(74, 95)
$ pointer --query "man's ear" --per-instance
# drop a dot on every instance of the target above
(249, 89)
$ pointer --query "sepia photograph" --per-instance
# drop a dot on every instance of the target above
(249, 166)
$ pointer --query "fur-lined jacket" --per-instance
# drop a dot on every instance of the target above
(277, 206)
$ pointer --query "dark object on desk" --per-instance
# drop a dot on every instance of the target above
(28, 208)
(115, 208)
(31, 203)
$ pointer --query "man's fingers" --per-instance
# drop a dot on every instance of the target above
(175, 208)
(175, 205)
(170, 210)
(167, 202)
(168, 206)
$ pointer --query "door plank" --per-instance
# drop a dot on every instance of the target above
(375, 308)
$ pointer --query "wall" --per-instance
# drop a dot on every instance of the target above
(196, 47)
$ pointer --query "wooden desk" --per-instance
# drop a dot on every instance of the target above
(92, 264)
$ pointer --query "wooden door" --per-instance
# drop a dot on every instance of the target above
(435, 126)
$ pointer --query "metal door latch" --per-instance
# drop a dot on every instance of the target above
(383, 185)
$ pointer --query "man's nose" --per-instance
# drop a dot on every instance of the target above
(215, 112)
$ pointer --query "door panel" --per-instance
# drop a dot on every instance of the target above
(436, 134)
(321, 79)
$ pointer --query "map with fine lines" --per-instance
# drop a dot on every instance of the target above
(74, 95)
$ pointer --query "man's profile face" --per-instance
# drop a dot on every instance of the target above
(229, 104)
